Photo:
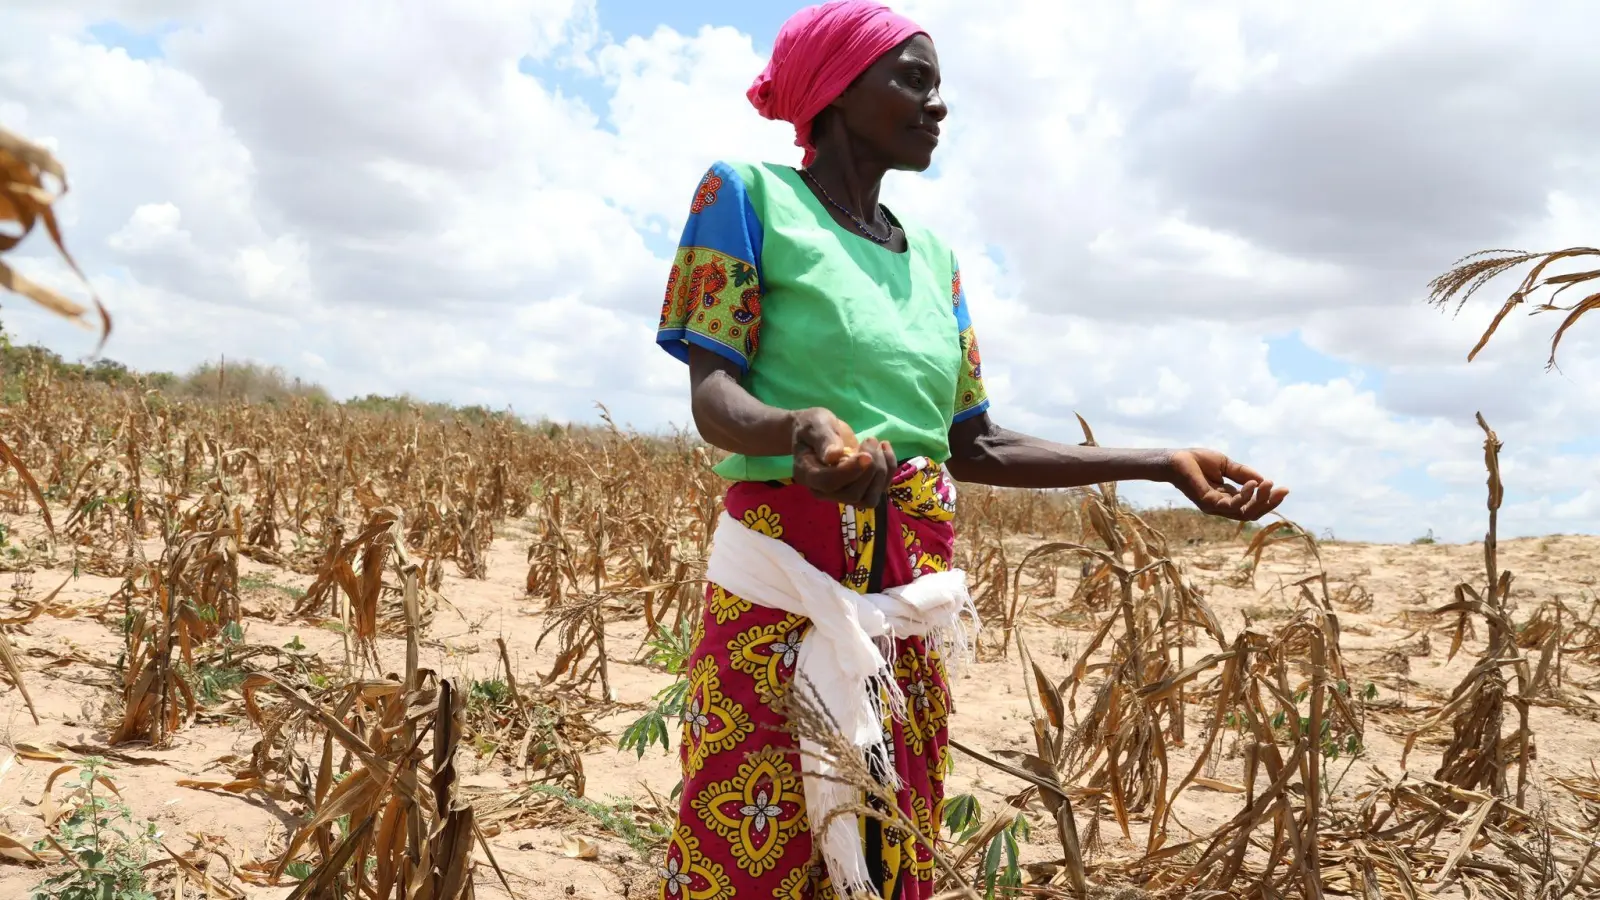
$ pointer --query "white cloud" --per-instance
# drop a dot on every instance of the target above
(151, 228)
(1141, 195)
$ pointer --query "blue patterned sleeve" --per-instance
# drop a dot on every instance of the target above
(713, 296)
(971, 398)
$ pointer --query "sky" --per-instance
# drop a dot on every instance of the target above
(1193, 223)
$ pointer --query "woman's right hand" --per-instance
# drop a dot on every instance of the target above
(834, 465)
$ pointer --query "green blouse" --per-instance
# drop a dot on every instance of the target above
(817, 315)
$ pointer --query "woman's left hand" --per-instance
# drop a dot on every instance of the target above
(1203, 476)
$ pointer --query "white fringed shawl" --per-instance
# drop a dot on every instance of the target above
(843, 659)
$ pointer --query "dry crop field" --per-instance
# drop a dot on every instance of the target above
(363, 655)
(296, 650)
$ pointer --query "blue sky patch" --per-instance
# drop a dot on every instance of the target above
(1292, 361)
(628, 18)
(758, 18)
(1414, 481)
(1588, 445)
(137, 43)
(570, 82)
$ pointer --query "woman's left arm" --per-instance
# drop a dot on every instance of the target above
(982, 452)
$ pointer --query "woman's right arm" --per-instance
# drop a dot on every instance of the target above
(827, 456)
(727, 415)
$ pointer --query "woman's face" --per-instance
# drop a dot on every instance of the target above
(894, 109)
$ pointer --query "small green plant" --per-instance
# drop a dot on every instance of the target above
(263, 581)
(255, 581)
(1348, 743)
(302, 661)
(1426, 539)
(214, 678)
(1354, 746)
(963, 817)
(487, 696)
(11, 550)
(489, 704)
(619, 816)
(1002, 871)
(671, 651)
(108, 849)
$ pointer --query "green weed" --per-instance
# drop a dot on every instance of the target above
(619, 816)
(109, 850)
(1002, 870)
(671, 651)
(215, 678)
(963, 817)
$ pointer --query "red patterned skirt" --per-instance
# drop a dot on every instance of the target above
(742, 830)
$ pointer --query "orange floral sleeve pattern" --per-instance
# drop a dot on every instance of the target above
(713, 295)
(971, 396)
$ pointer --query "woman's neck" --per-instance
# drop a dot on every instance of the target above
(852, 183)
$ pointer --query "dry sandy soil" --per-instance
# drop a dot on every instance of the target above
(1394, 643)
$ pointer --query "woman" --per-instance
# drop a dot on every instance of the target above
(832, 354)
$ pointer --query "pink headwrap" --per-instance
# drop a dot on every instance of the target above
(817, 54)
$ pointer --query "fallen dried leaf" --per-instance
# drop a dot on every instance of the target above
(574, 847)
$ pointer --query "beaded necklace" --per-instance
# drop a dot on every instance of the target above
(862, 226)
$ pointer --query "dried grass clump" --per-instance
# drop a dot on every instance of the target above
(1472, 272)
(377, 755)
(1558, 632)
(407, 835)
(1286, 751)
(543, 733)
(356, 597)
(175, 605)
(26, 201)
(1149, 613)
(1479, 754)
